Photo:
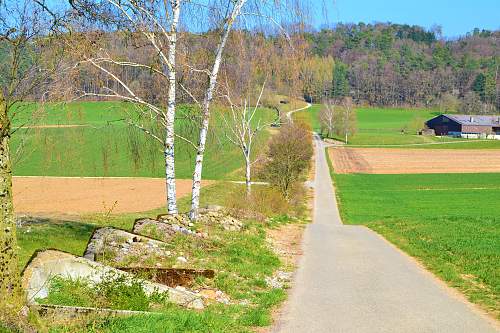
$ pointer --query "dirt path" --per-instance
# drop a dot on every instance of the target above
(290, 113)
(400, 161)
(74, 196)
(352, 280)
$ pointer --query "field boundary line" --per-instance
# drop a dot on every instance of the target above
(52, 126)
(141, 178)
(435, 189)
(419, 144)
(91, 177)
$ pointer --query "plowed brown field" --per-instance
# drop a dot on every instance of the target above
(400, 161)
(74, 196)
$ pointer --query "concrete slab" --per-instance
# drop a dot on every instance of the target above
(50, 263)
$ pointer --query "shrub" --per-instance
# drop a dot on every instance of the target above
(261, 203)
(448, 103)
(289, 156)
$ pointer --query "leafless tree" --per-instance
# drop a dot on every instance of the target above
(242, 129)
(345, 119)
(152, 24)
(289, 156)
(234, 9)
(30, 59)
(327, 117)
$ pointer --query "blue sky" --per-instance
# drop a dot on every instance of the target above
(456, 17)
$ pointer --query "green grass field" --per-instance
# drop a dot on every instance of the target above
(75, 113)
(383, 127)
(450, 222)
(106, 146)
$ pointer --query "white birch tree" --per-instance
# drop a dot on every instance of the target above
(327, 117)
(345, 119)
(157, 24)
(225, 29)
(265, 10)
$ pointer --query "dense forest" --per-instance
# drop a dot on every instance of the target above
(402, 65)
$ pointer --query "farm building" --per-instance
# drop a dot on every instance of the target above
(467, 126)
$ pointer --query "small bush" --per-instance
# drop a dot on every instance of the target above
(260, 204)
(289, 157)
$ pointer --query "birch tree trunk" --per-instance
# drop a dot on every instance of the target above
(248, 174)
(170, 116)
(198, 168)
(9, 273)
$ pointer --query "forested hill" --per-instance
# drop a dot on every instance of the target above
(393, 64)
(376, 64)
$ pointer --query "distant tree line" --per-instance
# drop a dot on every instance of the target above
(375, 64)
(401, 65)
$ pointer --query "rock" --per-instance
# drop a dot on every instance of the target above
(273, 282)
(221, 297)
(228, 222)
(284, 276)
(244, 302)
(215, 295)
(24, 220)
(279, 279)
(210, 208)
(167, 226)
(164, 228)
(231, 224)
(48, 264)
(208, 293)
(182, 260)
(177, 219)
(117, 246)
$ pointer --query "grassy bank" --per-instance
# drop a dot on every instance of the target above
(450, 222)
(242, 260)
(72, 236)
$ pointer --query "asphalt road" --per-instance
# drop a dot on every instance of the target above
(352, 280)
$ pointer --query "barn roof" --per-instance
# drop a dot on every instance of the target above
(475, 120)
